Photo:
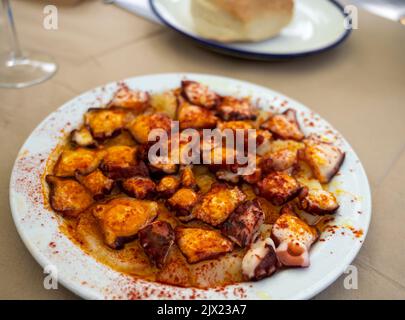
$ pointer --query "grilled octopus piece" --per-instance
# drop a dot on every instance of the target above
(160, 166)
(192, 116)
(105, 123)
(235, 124)
(263, 141)
(139, 187)
(221, 158)
(79, 160)
(254, 177)
(156, 239)
(284, 126)
(134, 100)
(83, 138)
(121, 162)
(199, 94)
(67, 196)
(187, 178)
(324, 159)
(227, 175)
(262, 137)
(163, 168)
(167, 186)
(260, 261)
(242, 226)
(281, 160)
(143, 124)
(224, 163)
(317, 201)
(231, 108)
(120, 219)
(279, 188)
(97, 183)
(201, 244)
(182, 202)
(293, 238)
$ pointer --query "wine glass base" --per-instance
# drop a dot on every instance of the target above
(23, 72)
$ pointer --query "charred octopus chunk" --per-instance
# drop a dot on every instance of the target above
(156, 239)
(242, 227)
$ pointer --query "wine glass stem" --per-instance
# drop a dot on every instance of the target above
(16, 52)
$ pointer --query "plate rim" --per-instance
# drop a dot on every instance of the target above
(223, 48)
(86, 293)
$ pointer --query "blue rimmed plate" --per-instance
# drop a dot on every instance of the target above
(317, 26)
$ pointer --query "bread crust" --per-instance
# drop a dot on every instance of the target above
(241, 20)
(248, 10)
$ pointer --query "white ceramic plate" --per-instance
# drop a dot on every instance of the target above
(317, 26)
(39, 227)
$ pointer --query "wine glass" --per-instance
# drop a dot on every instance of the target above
(19, 69)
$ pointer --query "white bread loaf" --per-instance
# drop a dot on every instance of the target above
(241, 20)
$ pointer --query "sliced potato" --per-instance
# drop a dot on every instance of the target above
(291, 145)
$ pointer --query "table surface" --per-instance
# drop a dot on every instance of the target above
(359, 87)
